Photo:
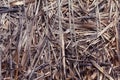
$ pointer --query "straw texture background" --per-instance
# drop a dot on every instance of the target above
(60, 40)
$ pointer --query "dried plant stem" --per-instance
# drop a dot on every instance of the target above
(117, 27)
(0, 63)
(61, 37)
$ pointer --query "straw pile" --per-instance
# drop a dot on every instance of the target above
(60, 40)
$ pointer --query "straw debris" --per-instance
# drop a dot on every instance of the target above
(59, 40)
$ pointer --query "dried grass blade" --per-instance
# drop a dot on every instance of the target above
(117, 27)
(101, 70)
(0, 63)
(61, 37)
(105, 29)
